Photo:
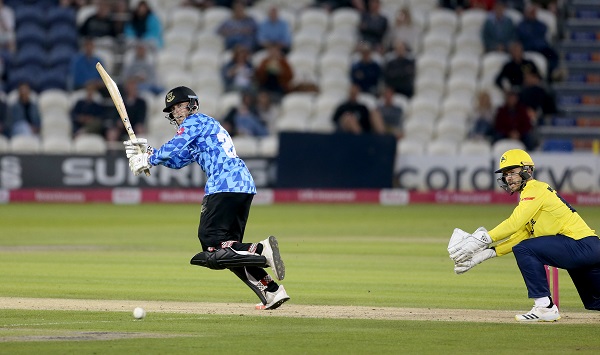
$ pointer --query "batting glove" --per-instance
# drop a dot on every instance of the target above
(136, 146)
(462, 267)
(139, 163)
(475, 243)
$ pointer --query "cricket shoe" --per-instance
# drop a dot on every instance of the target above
(271, 252)
(539, 314)
(274, 299)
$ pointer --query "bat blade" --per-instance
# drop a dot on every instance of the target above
(115, 95)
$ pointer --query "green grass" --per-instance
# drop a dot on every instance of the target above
(365, 255)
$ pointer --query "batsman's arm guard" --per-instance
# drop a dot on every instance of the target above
(228, 258)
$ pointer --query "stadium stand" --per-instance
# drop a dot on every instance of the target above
(450, 62)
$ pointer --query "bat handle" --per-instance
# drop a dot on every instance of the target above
(147, 172)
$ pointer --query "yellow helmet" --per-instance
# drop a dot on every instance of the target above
(514, 158)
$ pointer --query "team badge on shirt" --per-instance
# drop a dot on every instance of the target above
(180, 131)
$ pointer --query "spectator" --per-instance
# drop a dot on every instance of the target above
(120, 16)
(366, 72)
(536, 97)
(99, 24)
(244, 120)
(513, 120)
(145, 26)
(238, 73)
(83, 66)
(481, 121)
(239, 29)
(137, 110)
(7, 28)
(498, 29)
(512, 72)
(231, 3)
(142, 68)
(399, 72)
(88, 115)
(373, 25)
(274, 74)
(266, 110)
(390, 113)
(274, 32)
(486, 5)
(23, 114)
(404, 30)
(353, 117)
(533, 35)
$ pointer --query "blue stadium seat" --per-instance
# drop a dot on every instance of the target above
(52, 79)
(557, 145)
(30, 54)
(63, 33)
(59, 14)
(27, 14)
(30, 33)
(61, 54)
(28, 73)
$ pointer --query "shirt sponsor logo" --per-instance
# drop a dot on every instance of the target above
(527, 198)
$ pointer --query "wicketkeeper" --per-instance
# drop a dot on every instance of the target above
(229, 192)
(542, 230)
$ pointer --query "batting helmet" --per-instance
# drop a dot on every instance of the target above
(514, 158)
(177, 95)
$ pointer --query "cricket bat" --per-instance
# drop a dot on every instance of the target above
(113, 90)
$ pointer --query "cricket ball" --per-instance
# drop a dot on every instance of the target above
(139, 313)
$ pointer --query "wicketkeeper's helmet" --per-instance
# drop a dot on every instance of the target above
(511, 159)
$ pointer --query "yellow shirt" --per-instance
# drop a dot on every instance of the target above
(540, 212)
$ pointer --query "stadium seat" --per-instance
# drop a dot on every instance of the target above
(56, 124)
(4, 144)
(515, 15)
(245, 146)
(549, 19)
(492, 63)
(431, 64)
(419, 129)
(57, 145)
(52, 79)
(340, 42)
(471, 20)
(464, 65)
(539, 60)
(25, 144)
(314, 19)
(54, 100)
(63, 33)
(345, 20)
(288, 16)
(31, 54)
(437, 43)
(410, 146)
(214, 16)
(30, 14)
(424, 109)
(301, 60)
(461, 87)
(475, 147)
(178, 40)
(334, 62)
(60, 55)
(60, 14)
(468, 43)
(442, 147)
(322, 116)
(268, 147)
(442, 20)
(422, 6)
(429, 85)
(30, 33)
(297, 103)
(307, 42)
(185, 18)
(451, 128)
(91, 144)
(501, 146)
(558, 145)
(205, 84)
(202, 60)
(335, 84)
(209, 105)
(208, 41)
(178, 76)
(227, 101)
(456, 107)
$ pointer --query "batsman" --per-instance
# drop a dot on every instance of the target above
(228, 195)
(542, 230)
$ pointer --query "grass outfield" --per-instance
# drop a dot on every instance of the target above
(336, 256)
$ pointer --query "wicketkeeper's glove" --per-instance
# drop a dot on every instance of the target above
(464, 249)
(477, 258)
